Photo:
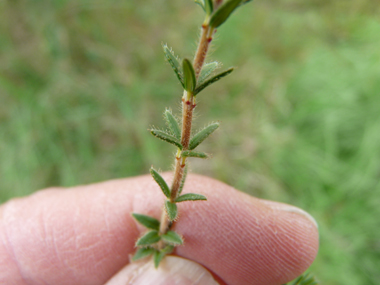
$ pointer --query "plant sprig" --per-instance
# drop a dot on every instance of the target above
(195, 77)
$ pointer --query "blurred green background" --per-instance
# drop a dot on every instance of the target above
(81, 81)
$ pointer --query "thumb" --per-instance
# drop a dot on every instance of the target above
(172, 270)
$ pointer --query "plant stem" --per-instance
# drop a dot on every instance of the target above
(188, 105)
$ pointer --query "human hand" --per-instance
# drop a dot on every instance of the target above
(85, 234)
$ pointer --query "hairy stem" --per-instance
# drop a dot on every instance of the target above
(188, 105)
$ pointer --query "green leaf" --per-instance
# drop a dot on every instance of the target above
(202, 135)
(159, 255)
(209, 7)
(171, 210)
(207, 69)
(190, 197)
(212, 80)
(222, 14)
(173, 124)
(189, 153)
(174, 62)
(172, 238)
(161, 182)
(143, 252)
(147, 221)
(189, 78)
(201, 3)
(149, 238)
(183, 180)
(166, 137)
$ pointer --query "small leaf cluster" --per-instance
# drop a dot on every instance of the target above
(148, 242)
(216, 16)
(173, 136)
(185, 73)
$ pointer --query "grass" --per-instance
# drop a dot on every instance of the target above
(81, 81)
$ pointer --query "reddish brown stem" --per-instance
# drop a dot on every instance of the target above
(188, 106)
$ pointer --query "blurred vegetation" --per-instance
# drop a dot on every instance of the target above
(81, 81)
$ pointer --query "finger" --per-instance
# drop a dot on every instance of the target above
(85, 234)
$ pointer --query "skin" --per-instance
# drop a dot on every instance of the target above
(85, 234)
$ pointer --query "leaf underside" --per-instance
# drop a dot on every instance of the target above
(147, 221)
(166, 137)
(149, 238)
(183, 179)
(207, 69)
(173, 124)
(202, 135)
(172, 238)
(143, 252)
(171, 210)
(190, 153)
(161, 182)
(303, 280)
(190, 197)
(212, 80)
(174, 61)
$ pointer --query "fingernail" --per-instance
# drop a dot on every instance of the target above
(172, 270)
(291, 209)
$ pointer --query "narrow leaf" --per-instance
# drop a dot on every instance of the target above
(159, 255)
(174, 62)
(183, 180)
(190, 197)
(201, 3)
(172, 238)
(149, 238)
(173, 124)
(207, 69)
(212, 80)
(209, 7)
(189, 153)
(189, 78)
(202, 135)
(222, 14)
(161, 182)
(171, 210)
(143, 252)
(147, 221)
(166, 137)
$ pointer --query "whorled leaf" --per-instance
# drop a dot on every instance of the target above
(174, 62)
(202, 135)
(173, 124)
(222, 14)
(161, 182)
(171, 210)
(166, 137)
(172, 237)
(149, 238)
(207, 69)
(212, 80)
(190, 197)
(190, 153)
(143, 252)
(147, 221)
(189, 78)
